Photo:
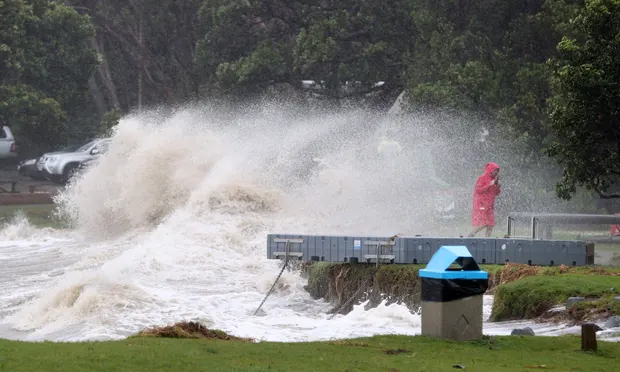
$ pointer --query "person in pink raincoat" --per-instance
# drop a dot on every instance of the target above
(486, 190)
(615, 229)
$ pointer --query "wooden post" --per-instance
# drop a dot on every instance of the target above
(588, 337)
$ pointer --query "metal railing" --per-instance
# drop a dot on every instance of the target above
(550, 219)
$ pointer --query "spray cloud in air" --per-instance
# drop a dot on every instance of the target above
(321, 170)
(274, 162)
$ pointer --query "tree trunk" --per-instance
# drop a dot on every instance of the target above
(140, 69)
(97, 96)
(105, 75)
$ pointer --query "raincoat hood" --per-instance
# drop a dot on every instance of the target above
(490, 167)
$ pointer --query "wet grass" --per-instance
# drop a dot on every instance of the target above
(613, 247)
(39, 215)
(581, 234)
(531, 296)
(379, 353)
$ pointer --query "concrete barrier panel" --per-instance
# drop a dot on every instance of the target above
(482, 249)
(419, 250)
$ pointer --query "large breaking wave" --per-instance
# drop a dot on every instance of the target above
(170, 224)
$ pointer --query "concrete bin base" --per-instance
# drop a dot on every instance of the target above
(459, 320)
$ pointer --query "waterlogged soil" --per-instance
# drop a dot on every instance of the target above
(345, 285)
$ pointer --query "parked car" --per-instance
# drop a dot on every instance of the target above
(87, 164)
(28, 167)
(8, 148)
(60, 166)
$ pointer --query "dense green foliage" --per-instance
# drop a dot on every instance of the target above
(585, 117)
(76, 65)
(45, 68)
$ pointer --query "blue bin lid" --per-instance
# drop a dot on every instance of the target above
(439, 265)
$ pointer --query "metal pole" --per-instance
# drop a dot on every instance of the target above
(510, 223)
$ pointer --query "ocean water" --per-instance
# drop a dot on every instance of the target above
(170, 225)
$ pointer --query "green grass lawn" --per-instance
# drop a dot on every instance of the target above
(379, 353)
(40, 215)
(607, 247)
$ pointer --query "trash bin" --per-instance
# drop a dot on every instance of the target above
(452, 297)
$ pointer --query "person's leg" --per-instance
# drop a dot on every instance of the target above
(477, 223)
(490, 221)
(476, 230)
(489, 230)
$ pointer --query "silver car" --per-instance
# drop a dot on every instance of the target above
(60, 166)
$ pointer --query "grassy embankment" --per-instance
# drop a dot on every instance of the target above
(213, 352)
(521, 291)
(39, 215)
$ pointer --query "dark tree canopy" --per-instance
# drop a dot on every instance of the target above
(586, 111)
(45, 66)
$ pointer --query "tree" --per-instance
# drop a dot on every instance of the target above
(244, 45)
(249, 46)
(45, 70)
(148, 49)
(477, 69)
(37, 119)
(492, 64)
(586, 108)
(355, 44)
